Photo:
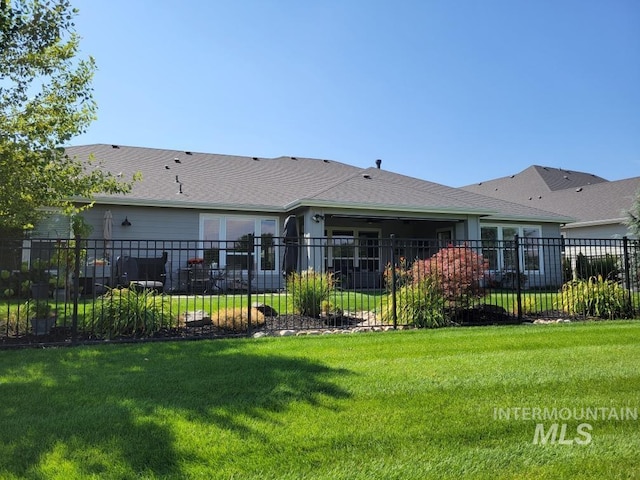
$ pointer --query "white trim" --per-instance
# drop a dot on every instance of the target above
(520, 227)
(257, 220)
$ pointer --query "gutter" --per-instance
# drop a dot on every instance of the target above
(596, 223)
(129, 202)
(387, 208)
(530, 218)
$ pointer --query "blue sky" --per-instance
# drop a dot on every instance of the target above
(451, 91)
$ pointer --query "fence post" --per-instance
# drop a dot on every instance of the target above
(516, 242)
(251, 240)
(76, 288)
(394, 312)
(627, 269)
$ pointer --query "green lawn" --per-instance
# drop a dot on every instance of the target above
(408, 404)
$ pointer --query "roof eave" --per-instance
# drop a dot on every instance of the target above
(595, 223)
(527, 218)
(183, 204)
(386, 207)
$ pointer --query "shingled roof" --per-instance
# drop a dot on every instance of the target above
(182, 179)
(588, 198)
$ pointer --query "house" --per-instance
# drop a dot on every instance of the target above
(202, 197)
(599, 207)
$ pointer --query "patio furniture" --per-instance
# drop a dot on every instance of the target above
(141, 273)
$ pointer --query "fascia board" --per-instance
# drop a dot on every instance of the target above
(189, 205)
(387, 208)
(525, 218)
(596, 223)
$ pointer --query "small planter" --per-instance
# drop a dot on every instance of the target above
(42, 326)
(60, 294)
(39, 291)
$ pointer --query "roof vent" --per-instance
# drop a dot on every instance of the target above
(177, 160)
(480, 183)
(294, 158)
(188, 153)
(167, 167)
(115, 146)
(255, 158)
(326, 161)
(579, 189)
(366, 175)
(177, 181)
(378, 163)
(566, 177)
(512, 176)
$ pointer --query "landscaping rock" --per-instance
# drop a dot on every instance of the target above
(266, 310)
(198, 318)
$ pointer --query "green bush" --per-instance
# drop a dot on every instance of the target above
(38, 309)
(9, 284)
(128, 312)
(596, 297)
(606, 266)
(308, 289)
(421, 304)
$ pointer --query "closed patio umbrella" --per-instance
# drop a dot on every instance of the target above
(107, 231)
(290, 257)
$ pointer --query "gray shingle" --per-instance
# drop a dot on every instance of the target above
(277, 184)
(586, 197)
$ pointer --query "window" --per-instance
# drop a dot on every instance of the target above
(353, 250)
(226, 241)
(445, 237)
(498, 247)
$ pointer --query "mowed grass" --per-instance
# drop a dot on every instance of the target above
(408, 404)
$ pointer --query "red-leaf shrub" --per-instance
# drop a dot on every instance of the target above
(458, 271)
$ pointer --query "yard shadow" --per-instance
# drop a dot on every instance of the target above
(219, 383)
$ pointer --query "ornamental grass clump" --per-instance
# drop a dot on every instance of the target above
(421, 305)
(596, 297)
(236, 319)
(308, 289)
(130, 312)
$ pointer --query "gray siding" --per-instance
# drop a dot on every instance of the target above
(598, 231)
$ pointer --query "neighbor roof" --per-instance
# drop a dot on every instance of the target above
(211, 181)
(588, 198)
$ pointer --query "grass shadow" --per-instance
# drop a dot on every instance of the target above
(111, 407)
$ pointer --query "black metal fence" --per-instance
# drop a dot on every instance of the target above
(61, 291)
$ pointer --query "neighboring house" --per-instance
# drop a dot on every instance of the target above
(598, 206)
(208, 197)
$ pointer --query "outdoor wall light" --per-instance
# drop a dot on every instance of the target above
(317, 217)
(126, 222)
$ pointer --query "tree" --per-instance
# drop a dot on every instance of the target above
(633, 217)
(45, 100)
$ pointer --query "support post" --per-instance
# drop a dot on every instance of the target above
(394, 312)
(516, 246)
